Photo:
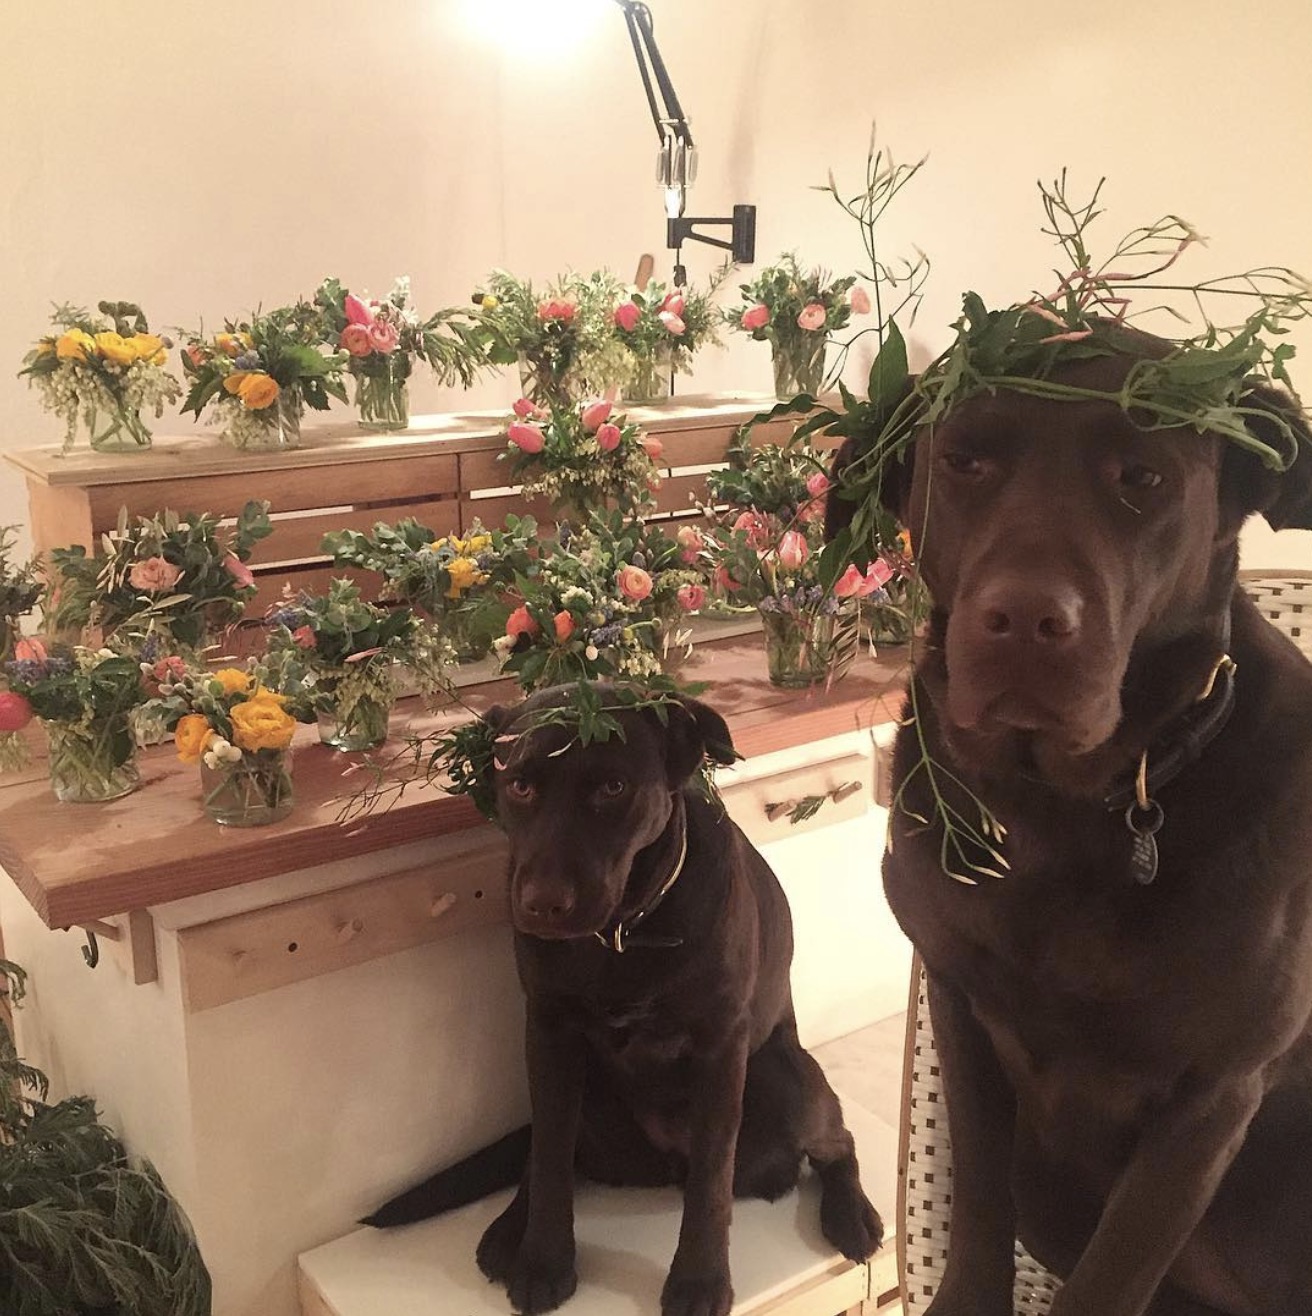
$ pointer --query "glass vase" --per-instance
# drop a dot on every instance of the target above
(543, 381)
(356, 722)
(807, 648)
(651, 379)
(255, 790)
(382, 391)
(91, 762)
(799, 365)
(118, 429)
(467, 645)
(266, 429)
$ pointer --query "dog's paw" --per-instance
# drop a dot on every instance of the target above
(951, 1301)
(850, 1223)
(536, 1284)
(699, 1295)
(499, 1246)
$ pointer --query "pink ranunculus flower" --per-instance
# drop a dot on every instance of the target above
(564, 622)
(520, 623)
(859, 300)
(608, 437)
(304, 636)
(557, 308)
(172, 668)
(674, 325)
(690, 542)
(627, 315)
(674, 303)
(384, 336)
(850, 584)
(634, 583)
(878, 574)
(653, 447)
(723, 581)
(793, 550)
(527, 438)
(524, 408)
(239, 571)
(154, 575)
(356, 311)
(596, 414)
(30, 651)
(811, 317)
(691, 597)
(355, 339)
(15, 711)
(756, 317)
(756, 528)
(817, 484)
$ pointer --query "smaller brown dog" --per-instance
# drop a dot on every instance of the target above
(654, 945)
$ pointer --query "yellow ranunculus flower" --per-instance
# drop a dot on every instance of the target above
(232, 679)
(149, 347)
(228, 344)
(258, 391)
(261, 724)
(476, 544)
(74, 345)
(192, 734)
(234, 381)
(464, 572)
(261, 694)
(114, 347)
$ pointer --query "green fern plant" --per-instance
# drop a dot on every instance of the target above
(83, 1231)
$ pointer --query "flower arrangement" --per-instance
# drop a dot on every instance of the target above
(20, 588)
(796, 312)
(84, 698)
(458, 580)
(166, 581)
(604, 602)
(261, 374)
(237, 724)
(349, 650)
(382, 339)
(661, 330)
(562, 338)
(103, 371)
(582, 456)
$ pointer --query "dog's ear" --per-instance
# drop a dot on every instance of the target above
(694, 731)
(495, 718)
(1247, 485)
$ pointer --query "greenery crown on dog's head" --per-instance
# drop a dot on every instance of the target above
(1205, 380)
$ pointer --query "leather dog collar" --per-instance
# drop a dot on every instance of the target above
(620, 937)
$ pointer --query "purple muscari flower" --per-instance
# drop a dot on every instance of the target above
(247, 361)
(768, 604)
(485, 561)
(289, 617)
(58, 664)
(606, 635)
(27, 671)
(151, 648)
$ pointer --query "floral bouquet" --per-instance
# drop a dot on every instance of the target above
(562, 339)
(604, 603)
(237, 724)
(20, 589)
(459, 581)
(382, 340)
(163, 582)
(349, 650)
(661, 331)
(85, 698)
(796, 312)
(583, 456)
(261, 374)
(103, 371)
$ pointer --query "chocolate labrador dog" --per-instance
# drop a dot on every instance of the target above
(1123, 1014)
(653, 943)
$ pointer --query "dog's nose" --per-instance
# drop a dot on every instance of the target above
(546, 902)
(1025, 613)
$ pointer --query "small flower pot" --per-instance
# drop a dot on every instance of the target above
(277, 426)
(92, 762)
(118, 429)
(252, 792)
(358, 724)
(651, 380)
(808, 648)
(382, 391)
(799, 365)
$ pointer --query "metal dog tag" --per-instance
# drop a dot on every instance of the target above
(1143, 825)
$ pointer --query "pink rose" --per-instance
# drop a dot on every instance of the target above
(850, 584)
(723, 581)
(811, 317)
(674, 325)
(239, 571)
(524, 408)
(356, 311)
(564, 625)
(153, 575)
(520, 623)
(356, 340)
(859, 300)
(634, 583)
(595, 414)
(384, 336)
(756, 528)
(817, 484)
(608, 437)
(29, 651)
(756, 317)
(557, 308)
(793, 550)
(690, 543)
(527, 438)
(304, 636)
(627, 315)
(691, 597)
(674, 303)
(653, 447)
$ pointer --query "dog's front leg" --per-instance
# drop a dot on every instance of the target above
(1159, 1198)
(542, 1274)
(698, 1283)
(981, 1267)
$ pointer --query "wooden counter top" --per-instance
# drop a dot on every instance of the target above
(79, 862)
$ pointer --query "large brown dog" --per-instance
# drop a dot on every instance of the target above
(1127, 1055)
(654, 946)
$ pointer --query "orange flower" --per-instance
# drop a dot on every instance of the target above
(261, 723)
(192, 734)
(564, 625)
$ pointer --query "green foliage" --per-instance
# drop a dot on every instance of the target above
(80, 686)
(19, 585)
(83, 1231)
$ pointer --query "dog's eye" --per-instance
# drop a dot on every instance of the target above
(612, 789)
(1140, 477)
(962, 463)
(521, 789)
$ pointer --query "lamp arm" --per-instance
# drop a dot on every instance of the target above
(650, 65)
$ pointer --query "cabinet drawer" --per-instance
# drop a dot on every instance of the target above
(816, 795)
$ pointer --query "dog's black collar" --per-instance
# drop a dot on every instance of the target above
(620, 938)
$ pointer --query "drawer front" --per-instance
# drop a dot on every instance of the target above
(798, 800)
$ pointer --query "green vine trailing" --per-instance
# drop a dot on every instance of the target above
(83, 1231)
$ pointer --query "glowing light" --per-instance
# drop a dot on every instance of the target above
(537, 27)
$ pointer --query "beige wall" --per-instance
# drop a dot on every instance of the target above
(205, 158)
